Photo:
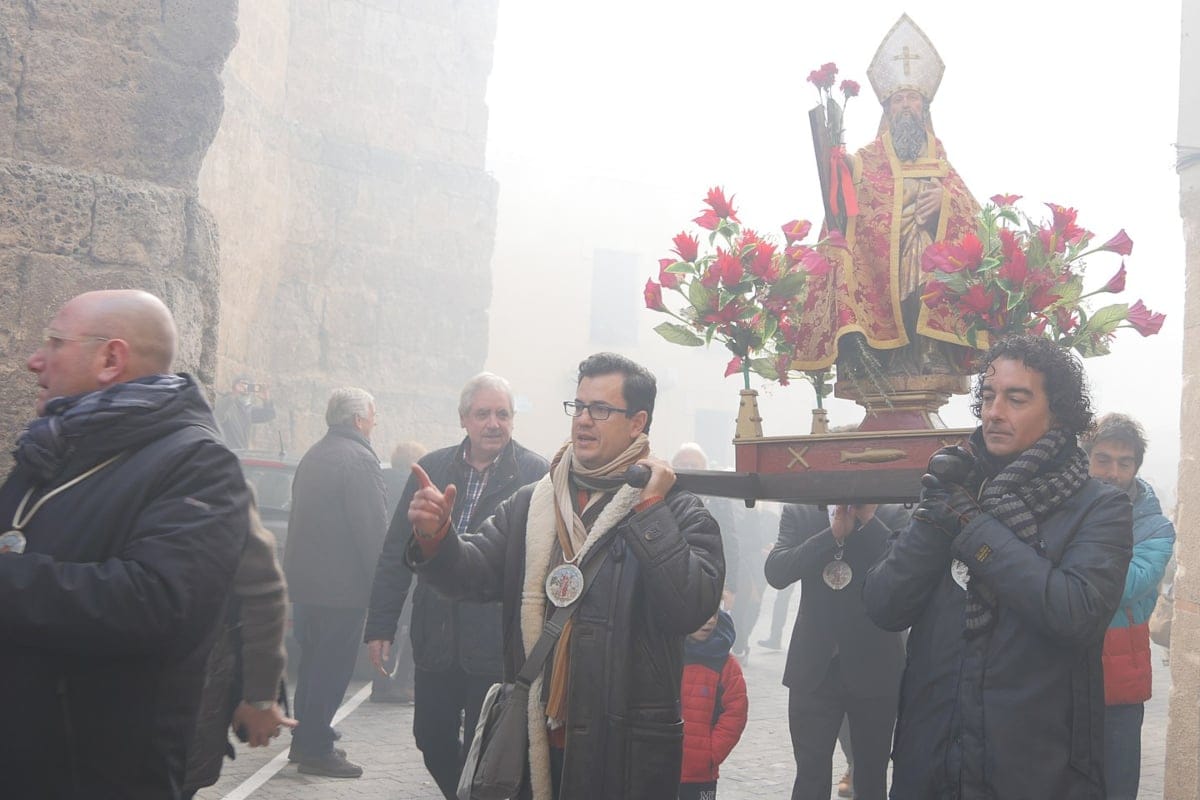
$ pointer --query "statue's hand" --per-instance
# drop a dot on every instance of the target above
(929, 205)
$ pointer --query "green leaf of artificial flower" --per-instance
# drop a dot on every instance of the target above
(675, 333)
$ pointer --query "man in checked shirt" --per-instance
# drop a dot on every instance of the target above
(457, 646)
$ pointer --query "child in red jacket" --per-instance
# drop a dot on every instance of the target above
(713, 697)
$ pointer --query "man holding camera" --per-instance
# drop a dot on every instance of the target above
(1009, 573)
(237, 411)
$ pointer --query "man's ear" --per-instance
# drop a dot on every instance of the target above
(114, 362)
(639, 422)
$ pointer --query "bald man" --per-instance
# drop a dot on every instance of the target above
(125, 518)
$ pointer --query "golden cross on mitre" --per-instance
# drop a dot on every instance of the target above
(906, 59)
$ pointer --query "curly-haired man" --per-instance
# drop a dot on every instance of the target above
(1008, 576)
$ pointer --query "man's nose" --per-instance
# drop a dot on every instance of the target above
(36, 361)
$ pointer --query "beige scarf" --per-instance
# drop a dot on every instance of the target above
(549, 508)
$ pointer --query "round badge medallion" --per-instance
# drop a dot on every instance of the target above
(12, 542)
(960, 573)
(564, 584)
(837, 575)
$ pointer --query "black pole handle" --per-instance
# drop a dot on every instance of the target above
(637, 476)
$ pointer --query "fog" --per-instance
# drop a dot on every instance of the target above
(609, 121)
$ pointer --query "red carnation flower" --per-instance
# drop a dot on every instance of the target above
(653, 295)
(762, 262)
(729, 267)
(722, 207)
(1143, 320)
(815, 264)
(849, 88)
(1117, 282)
(687, 247)
(708, 219)
(1120, 244)
(669, 280)
(977, 300)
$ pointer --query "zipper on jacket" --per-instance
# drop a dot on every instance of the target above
(68, 733)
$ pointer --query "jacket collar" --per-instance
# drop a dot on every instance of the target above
(505, 465)
(352, 433)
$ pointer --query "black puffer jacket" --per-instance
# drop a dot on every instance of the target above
(662, 580)
(1017, 712)
(446, 633)
(106, 619)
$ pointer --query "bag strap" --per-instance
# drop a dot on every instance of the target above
(554, 626)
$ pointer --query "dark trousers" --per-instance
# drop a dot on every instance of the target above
(329, 639)
(443, 703)
(698, 791)
(779, 613)
(814, 716)
(1123, 750)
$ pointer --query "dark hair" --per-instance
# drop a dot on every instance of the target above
(639, 389)
(1118, 428)
(1062, 375)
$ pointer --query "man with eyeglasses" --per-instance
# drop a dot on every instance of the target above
(606, 720)
(456, 646)
(124, 520)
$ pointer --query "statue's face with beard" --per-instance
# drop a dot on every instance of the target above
(906, 121)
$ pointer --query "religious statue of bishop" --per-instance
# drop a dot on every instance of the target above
(909, 196)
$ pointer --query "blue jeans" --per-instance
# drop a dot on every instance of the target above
(1123, 750)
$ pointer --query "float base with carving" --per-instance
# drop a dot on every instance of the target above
(881, 462)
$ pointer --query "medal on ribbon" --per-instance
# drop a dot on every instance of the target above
(564, 584)
(960, 573)
(837, 573)
(12, 542)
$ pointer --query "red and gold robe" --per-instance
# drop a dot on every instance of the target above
(882, 266)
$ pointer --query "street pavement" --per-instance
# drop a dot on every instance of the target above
(379, 737)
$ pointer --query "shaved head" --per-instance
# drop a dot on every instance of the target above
(101, 338)
(138, 317)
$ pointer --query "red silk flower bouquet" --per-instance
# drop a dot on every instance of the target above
(840, 200)
(746, 292)
(1019, 276)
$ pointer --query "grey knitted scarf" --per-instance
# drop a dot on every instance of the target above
(1021, 494)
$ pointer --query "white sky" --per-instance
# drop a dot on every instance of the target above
(1070, 102)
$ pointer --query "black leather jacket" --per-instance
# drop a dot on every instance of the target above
(662, 580)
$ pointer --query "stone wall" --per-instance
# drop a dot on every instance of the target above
(356, 219)
(1182, 780)
(106, 110)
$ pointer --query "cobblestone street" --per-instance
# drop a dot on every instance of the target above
(380, 738)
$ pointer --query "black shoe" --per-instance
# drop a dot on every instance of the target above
(293, 756)
(770, 644)
(333, 765)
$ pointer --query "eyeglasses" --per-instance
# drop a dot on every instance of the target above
(55, 338)
(598, 411)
